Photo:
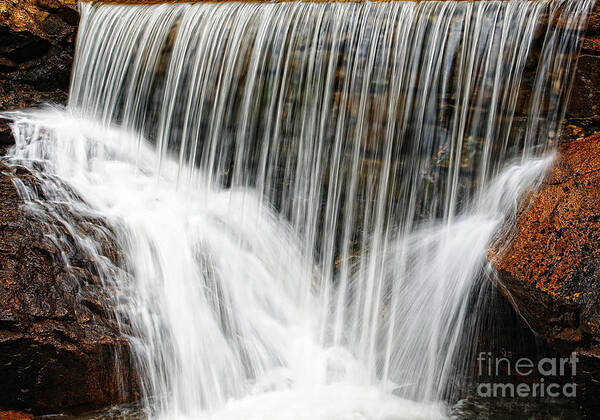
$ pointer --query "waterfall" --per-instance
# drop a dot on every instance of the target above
(303, 192)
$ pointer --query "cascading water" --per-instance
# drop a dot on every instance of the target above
(303, 192)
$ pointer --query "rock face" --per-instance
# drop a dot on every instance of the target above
(36, 53)
(583, 112)
(58, 340)
(550, 270)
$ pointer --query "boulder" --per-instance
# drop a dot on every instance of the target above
(548, 266)
(61, 349)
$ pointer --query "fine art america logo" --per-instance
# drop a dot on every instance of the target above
(542, 374)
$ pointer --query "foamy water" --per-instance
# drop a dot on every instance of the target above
(303, 193)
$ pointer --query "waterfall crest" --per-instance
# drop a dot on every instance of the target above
(304, 192)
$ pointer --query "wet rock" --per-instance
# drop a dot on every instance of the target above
(51, 20)
(14, 415)
(590, 44)
(593, 23)
(585, 96)
(36, 53)
(60, 346)
(550, 268)
(583, 111)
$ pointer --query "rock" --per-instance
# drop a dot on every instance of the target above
(14, 415)
(59, 341)
(549, 269)
(585, 96)
(15, 95)
(51, 20)
(593, 23)
(36, 53)
(583, 109)
(590, 44)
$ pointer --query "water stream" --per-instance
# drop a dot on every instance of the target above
(303, 192)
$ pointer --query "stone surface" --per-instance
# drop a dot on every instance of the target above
(583, 111)
(58, 338)
(550, 269)
(585, 96)
(14, 415)
(36, 53)
(593, 24)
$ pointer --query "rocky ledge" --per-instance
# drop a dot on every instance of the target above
(550, 268)
(59, 342)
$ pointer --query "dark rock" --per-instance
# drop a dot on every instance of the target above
(583, 113)
(59, 340)
(19, 47)
(580, 127)
(36, 53)
(593, 23)
(585, 96)
(549, 268)
(590, 44)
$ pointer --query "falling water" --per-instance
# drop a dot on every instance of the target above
(303, 192)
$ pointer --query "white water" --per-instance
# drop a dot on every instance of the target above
(217, 286)
(289, 255)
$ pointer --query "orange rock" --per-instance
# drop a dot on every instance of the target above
(549, 264)
(36, 17)
(14, 415)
